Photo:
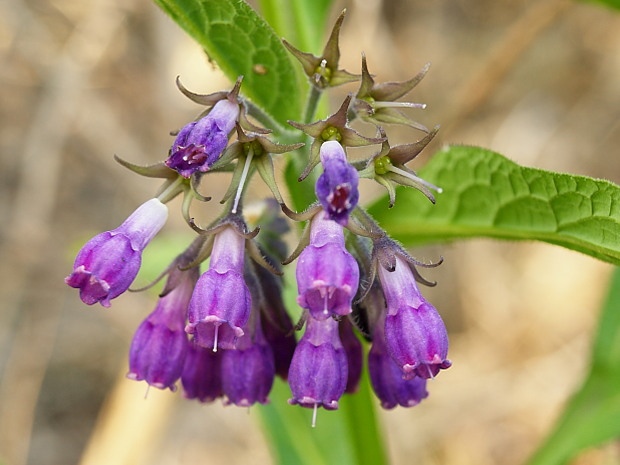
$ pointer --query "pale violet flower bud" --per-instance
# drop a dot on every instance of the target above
(107, 265)
(200, 143)
(327, 274)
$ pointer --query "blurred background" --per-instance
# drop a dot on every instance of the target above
(81, 81)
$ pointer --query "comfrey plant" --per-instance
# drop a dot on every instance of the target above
(226, 333)
(230, 320)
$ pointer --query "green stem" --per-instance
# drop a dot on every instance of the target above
(267, 121)
(170, 189)
(312, 103)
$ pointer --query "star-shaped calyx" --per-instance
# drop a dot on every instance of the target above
(388, 167)
(252, 151)
(323, 70)
(333, 128)
(376, 103)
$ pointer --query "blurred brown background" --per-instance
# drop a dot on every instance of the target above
(83, 80)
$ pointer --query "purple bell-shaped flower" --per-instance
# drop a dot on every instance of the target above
(159, 346)
(107, 265)
(319, 371)
(248, 371)
(386, 376)
(221, 303)
(200, 143)
(201, 377)
(415, 334)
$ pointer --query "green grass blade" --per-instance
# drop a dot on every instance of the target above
(592, 416)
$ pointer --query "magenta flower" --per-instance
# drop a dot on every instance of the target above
(160, 344)
(415, 334)
(336, 188)
(107, 265)
(318, 373)
(200, 143)
(221, 303)
(327, 274)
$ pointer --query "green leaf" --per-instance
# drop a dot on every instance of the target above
(592, 415)
(242, 43)
(486, 194)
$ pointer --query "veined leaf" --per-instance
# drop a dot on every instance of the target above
(242, 43)
(593, 414)
(485, 194)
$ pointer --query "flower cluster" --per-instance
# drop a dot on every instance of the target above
(226, 332)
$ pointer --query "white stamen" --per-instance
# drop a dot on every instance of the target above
(398, 105)
(414, 178)
(430, 372)
(244, 175)
(316, 406)
(217, 329)
(325, 302)
(146, 393)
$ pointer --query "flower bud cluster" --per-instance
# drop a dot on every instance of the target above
(226, 332)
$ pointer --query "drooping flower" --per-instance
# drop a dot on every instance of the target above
(416, 337)
(319, 370)
(327, 274)
(248, 370)
(200, 143)
(160, 344)
(336, 188)
(201, 377)
(107, 265)
(386, 376)
(221, 303)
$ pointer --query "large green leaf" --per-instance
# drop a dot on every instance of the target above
(486, 194)
(242, 43)
(592, 417)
